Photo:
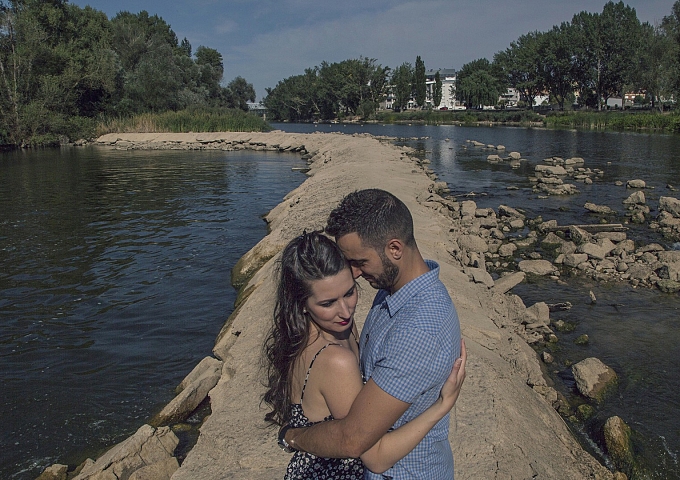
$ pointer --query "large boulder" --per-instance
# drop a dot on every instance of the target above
(468, 208)
(670, 205)
(637, 183)
(505, 211)
(507, 282)
(195, 389)
(617, 440)
(147, 446)
(54, 472)
(551, 169)
(473, 243)
(536, 267)
(635, 198)
(603, 209)
(162, 470)
(593, 378)
(574, 259)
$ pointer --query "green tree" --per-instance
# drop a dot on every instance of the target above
(240, 93)
(556, 54)
(477, 84)
(522, 66)
(437, 94)
(419, 82)
(401, 83)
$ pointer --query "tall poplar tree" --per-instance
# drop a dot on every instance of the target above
(419, 83)
(437, 94)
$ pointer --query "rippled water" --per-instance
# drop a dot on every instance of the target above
(114, 282)
(635, 331)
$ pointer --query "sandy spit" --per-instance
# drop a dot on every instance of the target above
(502, 427)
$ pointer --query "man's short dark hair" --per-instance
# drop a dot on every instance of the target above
(375, 215)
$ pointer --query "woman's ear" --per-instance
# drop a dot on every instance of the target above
(395, 249)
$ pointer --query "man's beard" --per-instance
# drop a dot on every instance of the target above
(387, 279)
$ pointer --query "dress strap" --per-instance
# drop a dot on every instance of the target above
(302, 395)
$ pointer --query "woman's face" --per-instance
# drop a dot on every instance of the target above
(333, 301)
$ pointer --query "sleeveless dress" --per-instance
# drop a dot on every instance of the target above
(304, 465)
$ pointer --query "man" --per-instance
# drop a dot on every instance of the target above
(409, 342)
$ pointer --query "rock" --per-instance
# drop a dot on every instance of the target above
(500, 147)
(468, 208)
(147, 446)
(162, 470)
(514, 155)
(549, 393)
(626, 246)
(551, 169)
(613, 236)
(505, 211)
(635, 184)
(507, 282)
(582, 340)
(479, 275)
(440, 188)
(473, 243)
(603, 209)
(516, 223)
(494, 158)
(551, 180)
(507, 250)
(639, 272)
(635, 198)
(585, 411)
(574, 161)
(207, 364)
(574, 259)
(54, 472)
(593, 251)
(668, 286)
(547, 357)
(617, 440)
(670, 205)
(188, 399)
(579, 236)
(536, 267)
(593, 378)
(540, 312)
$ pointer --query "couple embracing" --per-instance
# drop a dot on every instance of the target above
(373, 406)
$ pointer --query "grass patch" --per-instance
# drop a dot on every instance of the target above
(184, 121)
(626, 120)
(439, 117)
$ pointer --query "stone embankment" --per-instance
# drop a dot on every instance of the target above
(505, 424)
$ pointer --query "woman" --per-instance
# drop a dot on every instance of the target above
(313, 360)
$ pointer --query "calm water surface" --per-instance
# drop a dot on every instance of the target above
(114, 282)
(635, 331)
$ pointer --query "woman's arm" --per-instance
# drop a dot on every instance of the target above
(395, 445)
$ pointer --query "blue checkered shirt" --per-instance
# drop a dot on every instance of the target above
(408, 345)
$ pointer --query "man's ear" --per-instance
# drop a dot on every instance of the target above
(395, 249)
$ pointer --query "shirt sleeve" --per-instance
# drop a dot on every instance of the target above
(412, 363)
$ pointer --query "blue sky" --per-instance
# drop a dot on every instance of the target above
(268, 40)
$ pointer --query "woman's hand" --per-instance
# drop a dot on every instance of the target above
(451, 388)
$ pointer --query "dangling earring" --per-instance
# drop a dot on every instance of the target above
(304, 310)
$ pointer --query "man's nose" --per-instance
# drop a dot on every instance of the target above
(356, 272)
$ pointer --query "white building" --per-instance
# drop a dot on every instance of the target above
(448, 79)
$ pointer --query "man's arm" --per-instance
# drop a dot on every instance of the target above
(372, 414)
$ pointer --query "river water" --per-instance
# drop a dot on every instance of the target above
(115, 266)
(635, 331)
(114, 282)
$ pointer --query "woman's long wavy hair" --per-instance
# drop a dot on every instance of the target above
(311, 256)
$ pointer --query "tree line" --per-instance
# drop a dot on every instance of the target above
(594, 57)
(63, 68)
(586, 61)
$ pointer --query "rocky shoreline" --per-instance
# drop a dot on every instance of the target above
(505, 423)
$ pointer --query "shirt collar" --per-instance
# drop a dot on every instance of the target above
(404, 294)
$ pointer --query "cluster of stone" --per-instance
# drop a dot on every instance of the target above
(149, 454)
